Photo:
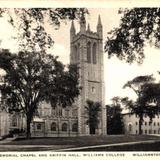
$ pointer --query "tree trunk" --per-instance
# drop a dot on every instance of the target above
(140, 124)
(28, 133)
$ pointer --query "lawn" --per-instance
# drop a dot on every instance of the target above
(83, 141)
(54, 143)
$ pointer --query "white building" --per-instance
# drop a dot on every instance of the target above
(131, 124)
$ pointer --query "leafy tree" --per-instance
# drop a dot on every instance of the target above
(138, 27)
(151, 97)
(143, 86)
(31, 24)
(92, 111)
(137, 83)
(114, 117)
(33, 77)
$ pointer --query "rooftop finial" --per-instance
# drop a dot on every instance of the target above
(72, 31)
(99, 20)
(82, 18)
(72, 26)
(99, 28)
(82, 23)
(89, 27)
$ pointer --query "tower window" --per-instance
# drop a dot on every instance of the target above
(93, 90)
(78, 52)
(75, 53)
(94, 53)
(60, 111)
(89, 52)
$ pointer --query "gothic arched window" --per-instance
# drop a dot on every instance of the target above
(78, 52)
(53, 126)
(74, 127)
(64, 127)
(75, 53)
(94, 51)
(89, 52)
(14, 121)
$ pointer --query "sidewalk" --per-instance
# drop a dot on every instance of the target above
(107, 145)
(7, 140)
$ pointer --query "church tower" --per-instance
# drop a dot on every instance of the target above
(87, 52)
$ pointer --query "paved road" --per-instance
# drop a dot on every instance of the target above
(61, 148)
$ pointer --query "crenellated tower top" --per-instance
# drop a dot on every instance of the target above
(86, 31)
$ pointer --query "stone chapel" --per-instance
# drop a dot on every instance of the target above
(86, 49)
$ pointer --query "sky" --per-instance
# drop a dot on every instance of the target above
(116, 72)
